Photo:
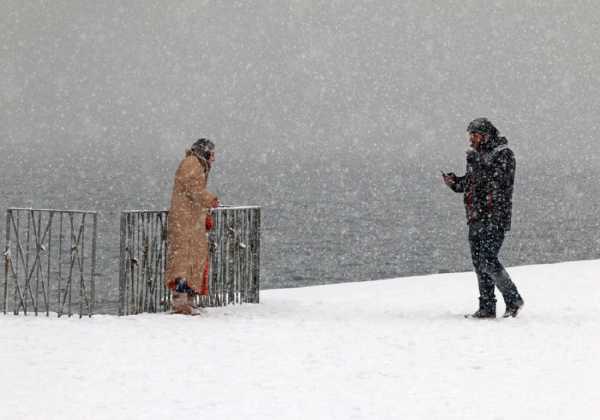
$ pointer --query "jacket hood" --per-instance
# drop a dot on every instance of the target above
(493, 143)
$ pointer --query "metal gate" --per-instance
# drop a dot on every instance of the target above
(49, 261)
(234, 275)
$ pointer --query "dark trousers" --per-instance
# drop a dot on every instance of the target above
(486, 240)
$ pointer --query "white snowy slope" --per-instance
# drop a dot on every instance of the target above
(397, 349)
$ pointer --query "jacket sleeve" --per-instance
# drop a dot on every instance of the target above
(503, 173)
(462, 181)
(502, 179)
(194, 180)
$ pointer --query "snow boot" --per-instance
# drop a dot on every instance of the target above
(183, 298)
(513, 309)
(183, 303)
(487, 309)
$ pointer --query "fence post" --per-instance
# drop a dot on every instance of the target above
(93, 273)
(7, 261)
(122, 264)
(256, 273)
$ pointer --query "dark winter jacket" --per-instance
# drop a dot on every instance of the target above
(488, 184)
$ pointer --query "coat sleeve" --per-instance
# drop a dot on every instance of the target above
(502, 180)
(461, 181)
(193, 179)
(503, 171)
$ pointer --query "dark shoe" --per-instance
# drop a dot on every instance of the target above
(483, 314)
(513, 309)
(487, 309)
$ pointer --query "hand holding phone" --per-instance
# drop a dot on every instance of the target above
(449, 178)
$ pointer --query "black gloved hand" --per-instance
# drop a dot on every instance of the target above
(449, 179)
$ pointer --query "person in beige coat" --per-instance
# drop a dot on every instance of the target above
(189, 217)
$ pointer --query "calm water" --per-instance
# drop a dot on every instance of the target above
(337, 225)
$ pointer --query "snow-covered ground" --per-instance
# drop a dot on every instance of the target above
(396, 349)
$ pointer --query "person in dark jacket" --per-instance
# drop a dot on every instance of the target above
(487, 187)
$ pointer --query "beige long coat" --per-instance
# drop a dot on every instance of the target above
(187, 242)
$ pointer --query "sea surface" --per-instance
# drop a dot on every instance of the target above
(339, 223)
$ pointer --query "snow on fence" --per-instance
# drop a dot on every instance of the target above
(49, 261)
(234, 275)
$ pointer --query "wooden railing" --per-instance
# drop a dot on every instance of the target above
(234, 245)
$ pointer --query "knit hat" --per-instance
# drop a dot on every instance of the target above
(483, 126)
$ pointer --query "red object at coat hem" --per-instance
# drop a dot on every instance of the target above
(204, 287)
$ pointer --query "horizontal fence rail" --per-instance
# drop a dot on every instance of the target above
(49, 261)
(234, 246)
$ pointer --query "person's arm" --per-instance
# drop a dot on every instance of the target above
(193, 178)
(459, 183)
(456, 183)
(503, 173)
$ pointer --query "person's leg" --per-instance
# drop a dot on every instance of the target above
(491, 266)
(487, 299)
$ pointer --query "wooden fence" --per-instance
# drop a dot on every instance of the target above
(234, 245)
(49, 261)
